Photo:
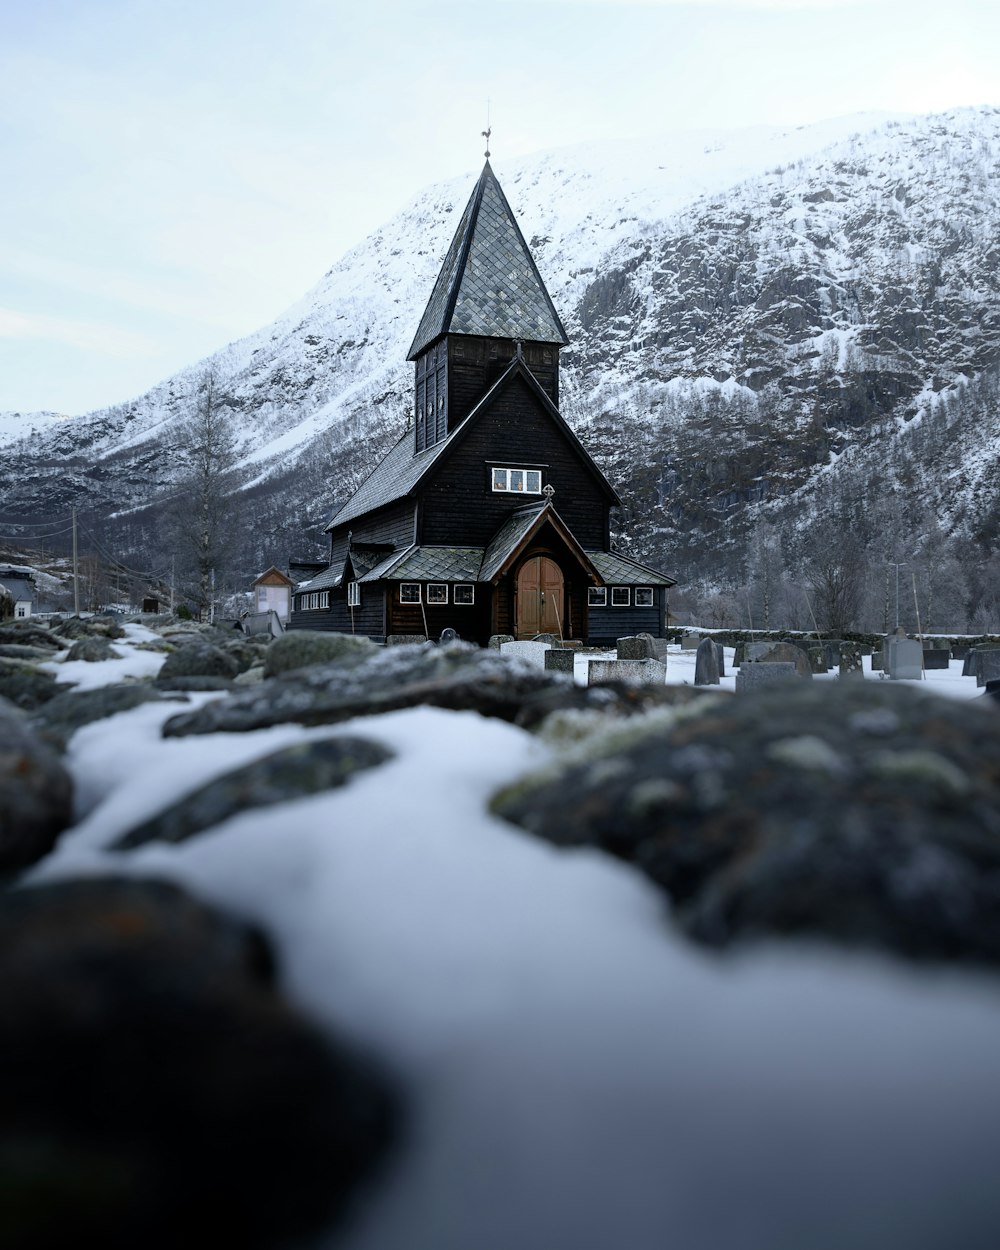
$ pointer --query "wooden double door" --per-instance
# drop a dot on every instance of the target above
(541, 596)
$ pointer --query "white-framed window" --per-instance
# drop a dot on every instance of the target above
(22, 610)
(437, 592)
(463, 594)
(620, 597)
(409, 592)
(353, 595)
(597, 596)
(517, 481)
(643, 596)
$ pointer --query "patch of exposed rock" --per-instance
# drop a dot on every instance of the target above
(864, 813)
(164, 1094)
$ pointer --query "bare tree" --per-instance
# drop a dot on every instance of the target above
(204, 513)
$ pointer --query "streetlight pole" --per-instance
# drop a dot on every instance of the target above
(897, 567)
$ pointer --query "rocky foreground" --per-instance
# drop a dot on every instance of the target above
(195, 1062)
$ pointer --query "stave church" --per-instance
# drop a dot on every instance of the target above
(488, 516)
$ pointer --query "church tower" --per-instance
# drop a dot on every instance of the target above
(489, 305)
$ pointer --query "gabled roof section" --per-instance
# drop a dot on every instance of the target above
(624, 571)
(518, 530)
(395, 476)
(401, 470)
(489, 283)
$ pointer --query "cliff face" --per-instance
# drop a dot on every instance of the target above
(751, 316)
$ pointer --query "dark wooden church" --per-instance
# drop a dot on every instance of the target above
(488, 516)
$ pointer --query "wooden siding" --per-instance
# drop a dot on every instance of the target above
(607, 625)
(471, 622)
(474, 364)
(369, 618)
(460, 508)
(391, 524)
(431, 398)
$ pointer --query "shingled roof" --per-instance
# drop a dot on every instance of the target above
(489, 284)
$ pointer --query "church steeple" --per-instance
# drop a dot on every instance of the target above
(489, 284)
(488, 304)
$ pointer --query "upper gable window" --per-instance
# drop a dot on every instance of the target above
(518, 481)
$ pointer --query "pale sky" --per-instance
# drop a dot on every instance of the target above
(175, 173)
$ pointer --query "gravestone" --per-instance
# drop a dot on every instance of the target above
(851, 665)
(690, 642)
(905, 662)
(533, 652)
(959, 650)
(646, 672)
(817, 659)
(876, 661)
(992, 690)
(551, 639)
(706, 664)
(404, 640)
(638, 647)
(785, 653)
(936, 657)
(760, 676)
(989, 667)
(497, 640)
(757, 650)
(448, 634)
(720, 655)
(560, 660)
(740, 653)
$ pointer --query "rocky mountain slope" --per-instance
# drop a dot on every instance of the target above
(756, 318)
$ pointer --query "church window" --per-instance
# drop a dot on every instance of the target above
(353, 595)
(463, 594)
(409, 592)
(597, 596)
(518, 481)
(643, 596)
(437, 592)
(620, 596)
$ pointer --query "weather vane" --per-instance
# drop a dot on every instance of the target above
(489, 130)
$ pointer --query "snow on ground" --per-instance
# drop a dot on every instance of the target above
(579, 1075)
(86, 675)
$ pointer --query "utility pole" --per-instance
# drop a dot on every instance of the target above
(76, 572)
(897, 567)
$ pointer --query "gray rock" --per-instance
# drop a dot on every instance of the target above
(165, 1095)
(36, 793)
(756, 675)
(58, 719)
(26, 654)
(551, 640)
(29, 633)
(405, 640)
(817, 659)
(302, 769)
(863, 812)
(93, 650)
(300, 648)
(706, 664)
(23, 685)
(529, 651)
(448, 635)
(458, 676)
(250, 677)
(74, 627)
(497, 640)
(197, 659)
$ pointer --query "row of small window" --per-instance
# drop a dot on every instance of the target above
(518, 481)
(462, 595)
(312, 602)
(621, 596)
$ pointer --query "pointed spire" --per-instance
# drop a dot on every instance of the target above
(489, 284)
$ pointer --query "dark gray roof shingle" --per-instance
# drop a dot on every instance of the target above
(489, 284)
(619, 570)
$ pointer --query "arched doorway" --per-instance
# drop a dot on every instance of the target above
(540, 596)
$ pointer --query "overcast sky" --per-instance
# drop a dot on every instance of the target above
(175, 173)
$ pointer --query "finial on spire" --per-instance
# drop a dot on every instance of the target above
(488, 131)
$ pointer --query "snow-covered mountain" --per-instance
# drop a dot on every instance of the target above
(749, 312)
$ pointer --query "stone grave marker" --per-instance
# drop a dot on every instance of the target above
(689, 642)
(560, 660)
(637, 647)
(936, 657)
(784, 653)
(851, 665)
(989, 666)
(646, 672)
(533, 652)
(761, 675)
(706, 664)
(906, 659)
